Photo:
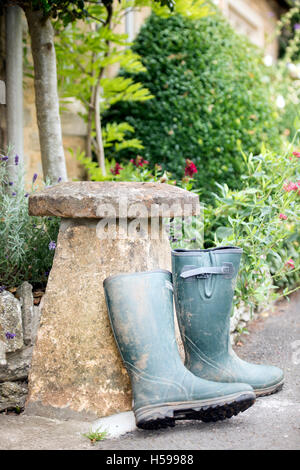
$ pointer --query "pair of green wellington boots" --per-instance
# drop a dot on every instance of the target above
(214, 383)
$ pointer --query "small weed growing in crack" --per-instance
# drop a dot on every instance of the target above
(95, 436)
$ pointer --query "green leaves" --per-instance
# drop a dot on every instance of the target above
(209, 100)
(223, 232)
(250, 218)
(123, 89)
(115, 135)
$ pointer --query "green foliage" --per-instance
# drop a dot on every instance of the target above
(250, 218)
(69, 11)
(95, 436)
(83, 55)
(289, 38)
(24, 240)
(114, 136)
(285, 75)
(282, 83)
(128, 172)
(210, 99)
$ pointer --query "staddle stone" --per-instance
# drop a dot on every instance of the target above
(76, 368)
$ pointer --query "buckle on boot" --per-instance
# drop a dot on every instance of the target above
(203, 276)
(205, 272)
(186, 269)
(228, 270)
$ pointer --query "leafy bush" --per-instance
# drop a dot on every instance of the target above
(263, 219)
(210, 99)
(26, 243)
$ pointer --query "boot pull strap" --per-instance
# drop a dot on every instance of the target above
(205, 272)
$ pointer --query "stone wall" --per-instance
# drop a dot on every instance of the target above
(19, 321)
(256, 19)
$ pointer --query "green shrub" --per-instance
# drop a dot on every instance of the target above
(26, 243)
(263, 219)
(210, 99)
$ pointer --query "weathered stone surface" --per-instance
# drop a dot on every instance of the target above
(24, 293)
(85, 199)
(17, 365)
(12, 395)
(3, 360)
(10, 321)
(36, 321)
(76, 367)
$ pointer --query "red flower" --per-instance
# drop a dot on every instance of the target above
(290, 263)
(297, 154)
(290, 186)
(282, 216)
(139, 161)
(190, 168)
(116, 169)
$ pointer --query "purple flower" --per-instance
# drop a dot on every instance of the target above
(2, 288)
(52, 245)
(9, 335)
(26, 195)
(10, 183)
(3, 159)
(34, 177)
(17, 160)
(59, 179)
(296, 26)
(13, 194)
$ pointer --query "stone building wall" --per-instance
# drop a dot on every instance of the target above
(256, 19)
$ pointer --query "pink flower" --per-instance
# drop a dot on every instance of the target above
(190, 168)
(296, 154)
(116, 169)
(290, 264)
(282, 216)
(290, 186)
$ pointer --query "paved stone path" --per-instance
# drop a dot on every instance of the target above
(272, 423)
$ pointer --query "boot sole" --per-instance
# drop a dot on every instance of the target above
(264, 392)
(164, 415)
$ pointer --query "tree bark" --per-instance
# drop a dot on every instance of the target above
(14, 92)
(46, 96)
(100, 150)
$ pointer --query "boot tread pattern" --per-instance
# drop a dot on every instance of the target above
(163, 417)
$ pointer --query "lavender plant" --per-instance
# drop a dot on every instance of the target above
(25, 250)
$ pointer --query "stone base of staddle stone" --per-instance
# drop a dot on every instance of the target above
(76, 368)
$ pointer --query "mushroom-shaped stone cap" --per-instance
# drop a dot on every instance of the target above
(86, 199)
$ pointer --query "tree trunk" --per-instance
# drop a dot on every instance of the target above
(46, 96)
(100, 149)
(14, 92)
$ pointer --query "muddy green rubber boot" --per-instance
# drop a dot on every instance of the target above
(204, 282)
(140, 308)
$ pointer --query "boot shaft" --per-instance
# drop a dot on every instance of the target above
(204, 282)
(140, 307)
